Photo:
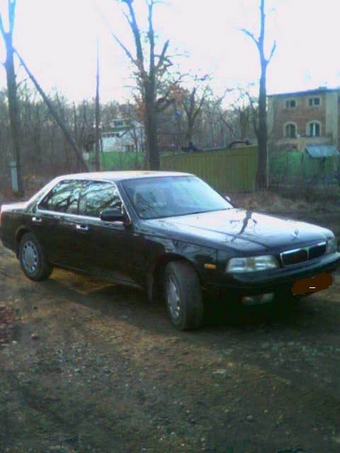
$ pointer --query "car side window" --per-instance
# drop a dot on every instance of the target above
(98, 196)
(64, 197)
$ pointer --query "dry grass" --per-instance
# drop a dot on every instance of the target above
(292, 202)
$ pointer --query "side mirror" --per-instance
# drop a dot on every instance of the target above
(113, 215)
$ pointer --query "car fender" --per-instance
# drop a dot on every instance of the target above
(199, 257)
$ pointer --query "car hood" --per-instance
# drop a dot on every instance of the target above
(240, 229)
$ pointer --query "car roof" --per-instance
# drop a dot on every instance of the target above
(112, 176)
(121, 175)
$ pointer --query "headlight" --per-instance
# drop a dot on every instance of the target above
(252, 264)
(332, 245)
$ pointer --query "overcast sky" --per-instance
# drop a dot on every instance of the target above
(57, 38)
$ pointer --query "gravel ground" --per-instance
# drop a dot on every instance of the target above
(87, 366)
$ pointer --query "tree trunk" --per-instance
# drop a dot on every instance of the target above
(152, 151)
(14, 110)
(190, 132)
(262, 134)
(261, 128)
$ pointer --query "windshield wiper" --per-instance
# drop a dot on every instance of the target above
(208, 210)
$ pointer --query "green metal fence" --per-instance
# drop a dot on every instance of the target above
(296, 168)
(232, 170)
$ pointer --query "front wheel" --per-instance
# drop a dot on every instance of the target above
(32, 258)
(183, 295)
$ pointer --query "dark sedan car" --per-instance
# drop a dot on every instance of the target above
(169, 233)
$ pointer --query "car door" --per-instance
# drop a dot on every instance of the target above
(106, 247)
(54, 223)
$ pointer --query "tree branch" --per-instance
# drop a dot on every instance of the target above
(118, 41)
(201, 102)
(272, 52)
(136, 34)
(126, 50)
(226, 123)
(162, 57)
(2, 28)
(151, 40)
(251, 36)
(52, 110)
(11, 14)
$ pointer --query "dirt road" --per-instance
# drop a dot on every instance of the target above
(91, 367)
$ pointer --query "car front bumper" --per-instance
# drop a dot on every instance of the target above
(279, 281)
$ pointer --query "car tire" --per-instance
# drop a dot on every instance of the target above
(32, 258)
(183, 295)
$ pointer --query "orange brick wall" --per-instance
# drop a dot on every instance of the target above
(301, 115)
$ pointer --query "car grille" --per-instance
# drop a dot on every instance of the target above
(303, 254)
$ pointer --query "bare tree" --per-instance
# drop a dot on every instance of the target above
(245, 109)
(236, 115)
(261, 128)
(136, 130)
(192, 105)
(151, 69)
(63, 126)
(12, 91)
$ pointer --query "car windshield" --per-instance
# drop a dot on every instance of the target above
(171, 196)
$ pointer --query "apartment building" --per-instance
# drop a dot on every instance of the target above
(299, 119)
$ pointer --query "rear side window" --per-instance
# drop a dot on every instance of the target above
(64, 197)
(98, 196)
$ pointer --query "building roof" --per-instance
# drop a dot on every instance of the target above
(311, 92)
(320, 151)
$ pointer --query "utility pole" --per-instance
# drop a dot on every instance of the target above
(97, 127)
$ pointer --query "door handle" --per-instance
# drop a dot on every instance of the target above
(36, 219)
(82, 227)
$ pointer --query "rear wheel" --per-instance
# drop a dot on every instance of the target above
(32, 258)
(183, 295)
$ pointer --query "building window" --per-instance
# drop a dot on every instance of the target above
(314, 102)
(290, 130)
(290, 104)
(314, 129)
